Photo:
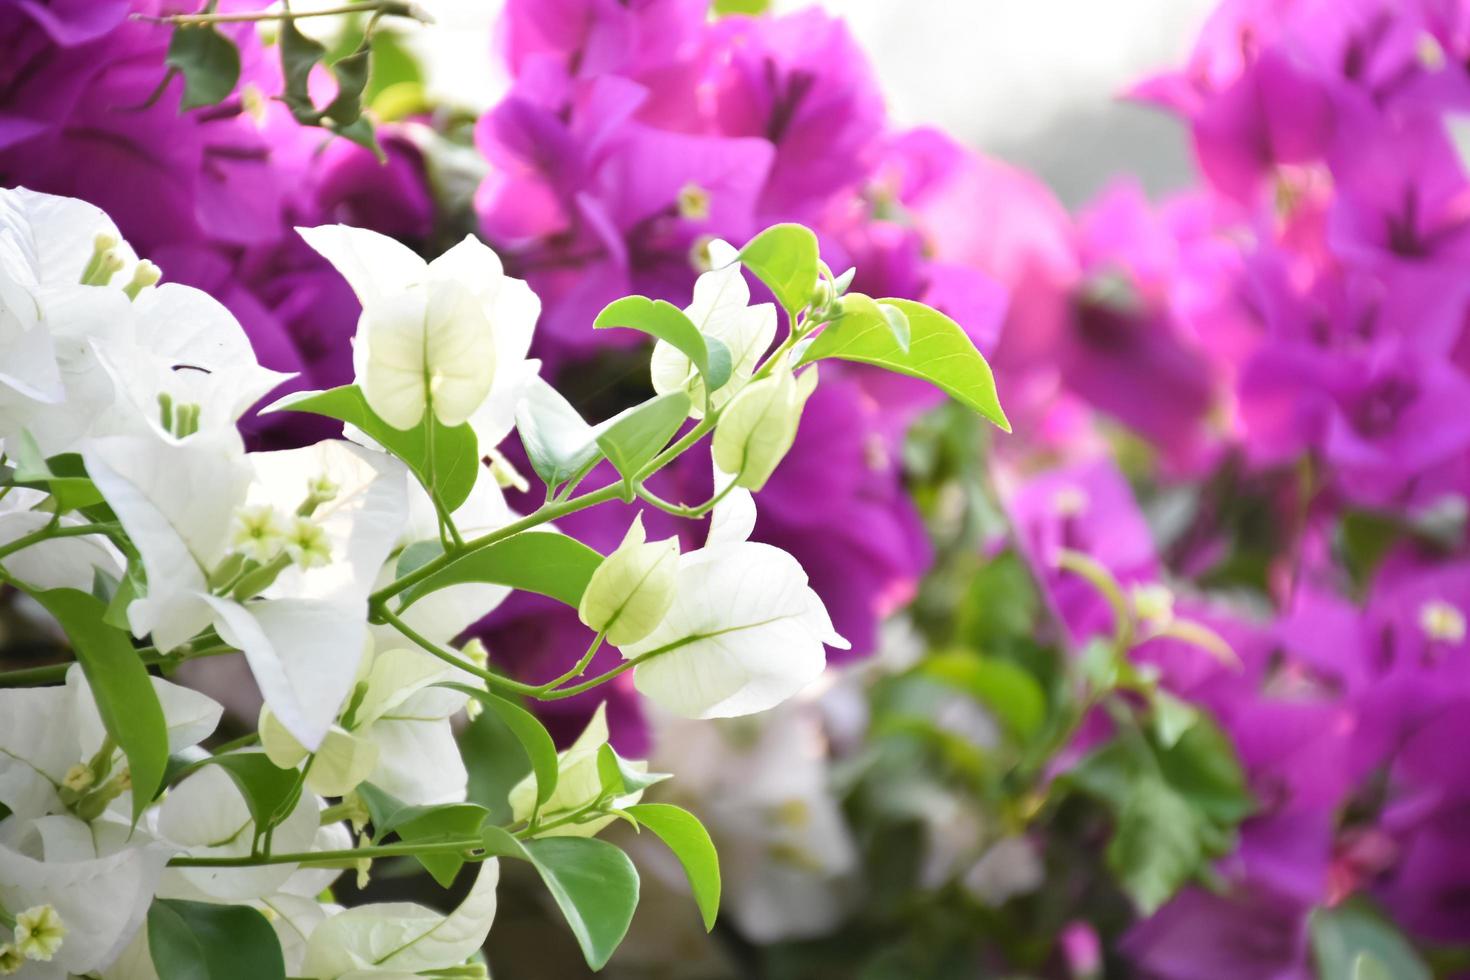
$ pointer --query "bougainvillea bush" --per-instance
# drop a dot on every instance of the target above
(432, 485)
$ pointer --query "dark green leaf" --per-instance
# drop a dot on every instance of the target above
(417, 555)
(784, 257)
(1156, 846)
(203, 941)
(593, 882)
(64, 476)
(209, 61)
(120, 685)
(454, 465)
(343, 115)
(632, 438)
(668, 323)
(539, 747)
(938, 351)
(1346, 934)
(543, 562)
(423, 825)
(1203, 768)
(691, 844)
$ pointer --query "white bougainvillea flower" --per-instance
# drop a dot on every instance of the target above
(633, 588)
(433, 335)
(578, 783)
(745, 631)
(47, 732)
(401, 939)
(305, 634)
(97, 896)
(206, 816)
(721, 309)
(396, 735)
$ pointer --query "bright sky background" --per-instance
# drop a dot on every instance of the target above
(1029, 80)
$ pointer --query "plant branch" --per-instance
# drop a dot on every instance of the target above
(378, 8)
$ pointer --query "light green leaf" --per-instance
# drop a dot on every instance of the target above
(724, 8)
(64, 476)
(203, 941)
(125, 697)
(543, 562)
(593, 882)
(667, 322)
(1009, 691)
(938, 351)
(1345, 936)
(558, 441)
(618, 778)
(898, 323)
(1202, 767)
(784, 257)
(1155, 847)
(451, 469)
(691, 844)
(539, 747)
(416, 556)
(631, 438)
(209, 61)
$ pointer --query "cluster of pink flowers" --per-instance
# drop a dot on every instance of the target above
(1289, 340)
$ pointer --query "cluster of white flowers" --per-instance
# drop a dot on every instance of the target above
(127, 487)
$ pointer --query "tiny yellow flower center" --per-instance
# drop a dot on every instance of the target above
(1069, 502)
(1154, 603)
(79, 778)
(694, 202)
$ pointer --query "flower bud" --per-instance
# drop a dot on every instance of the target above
(759, 426)
(10, 960)
(632, 589)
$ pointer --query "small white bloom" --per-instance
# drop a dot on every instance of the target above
(39, 932)
(307, 544)
(258, 533)
(1442, 621)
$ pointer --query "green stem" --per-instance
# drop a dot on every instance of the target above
(391, 8)
(692, 513)
(318, 857)
(56, 673)
(576, 671)
(448, 657)
(52, 531)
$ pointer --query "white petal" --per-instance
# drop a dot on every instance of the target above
(38, 744)
(60, 562)
(304, 654)
(374, 265)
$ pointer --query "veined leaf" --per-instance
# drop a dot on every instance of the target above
(665, 321)
(691, 844)
(543, 562)
(209, 62)
(938, 351)
(784, 257)
(204, 941)
(632, 438)
(558, 440)
(532, 735)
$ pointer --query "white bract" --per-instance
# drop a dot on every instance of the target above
(633, 587)
(759, 425)
(721, 309)
(435, 335)
(745, 631)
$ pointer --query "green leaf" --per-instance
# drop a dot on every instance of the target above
(632, 438)
(691, 844)
(784, 257)
(203, 941)
(558, 441)
(593, 882)
(938, 351)
(120, 685)
(667, 322)
(423, 825)
(270, 792)
(1155, 847)
(209, 61)
(416, 556)
(64, 476)
(1346, 936)
(618, 778)
(343, 115)
(451, 470)
(1202, 767)
(1011, 694)
(543, 562)
(539, 747)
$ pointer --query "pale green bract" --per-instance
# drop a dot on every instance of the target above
(340, 576)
